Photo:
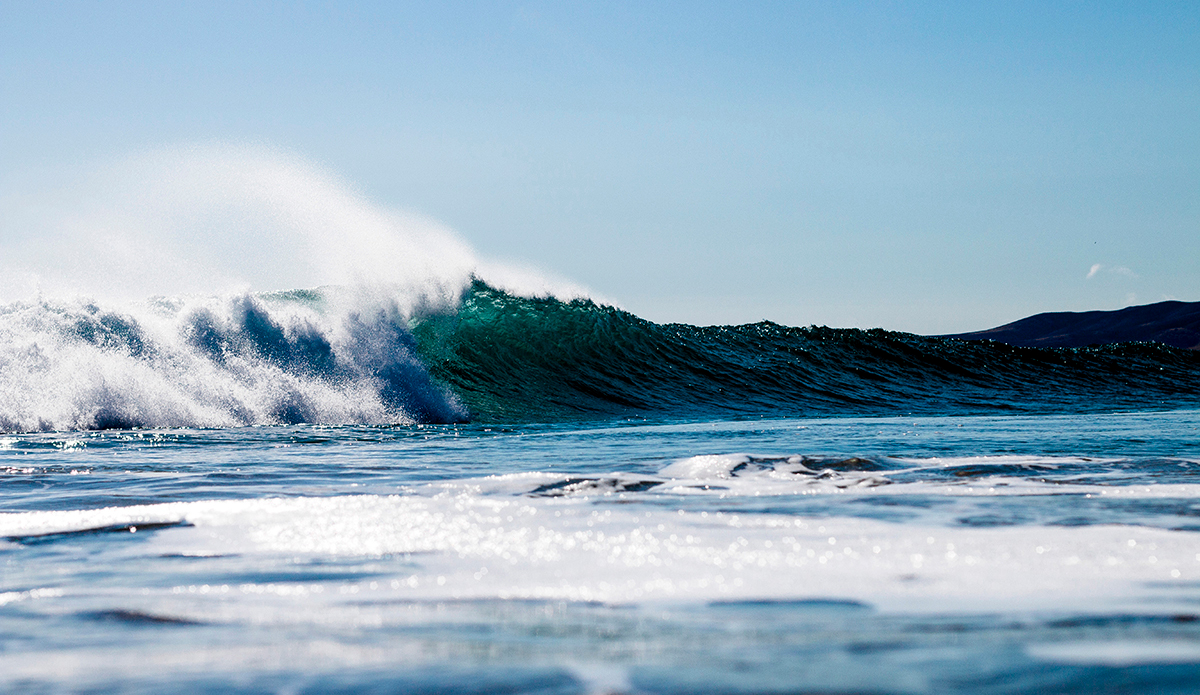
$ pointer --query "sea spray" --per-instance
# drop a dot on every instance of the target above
(215, 218)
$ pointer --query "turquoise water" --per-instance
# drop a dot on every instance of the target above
(932, 554)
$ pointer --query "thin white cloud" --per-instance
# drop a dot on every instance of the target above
(1098, 268)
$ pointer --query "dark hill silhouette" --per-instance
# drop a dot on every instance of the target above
(1174, 323)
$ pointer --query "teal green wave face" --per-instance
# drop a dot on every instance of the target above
(514, 359)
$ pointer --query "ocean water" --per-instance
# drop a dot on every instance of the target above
(333, 490)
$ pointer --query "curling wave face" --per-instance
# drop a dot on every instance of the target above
(519, 359)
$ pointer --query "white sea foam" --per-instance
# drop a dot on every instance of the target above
(705, 467)
(745, 474)
(1118, 653)
(466, 545)
(212, 362)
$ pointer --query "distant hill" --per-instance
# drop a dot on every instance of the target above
(1173, 323)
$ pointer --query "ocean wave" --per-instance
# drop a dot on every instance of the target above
(353, 355)
(514, 358)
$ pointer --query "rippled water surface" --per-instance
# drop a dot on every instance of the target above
(1050, 553)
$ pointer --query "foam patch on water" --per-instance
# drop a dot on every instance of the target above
(746, 474)
(707, 466)
(756, 475)
(1030, 462)
(470, 546)
(1118, 653)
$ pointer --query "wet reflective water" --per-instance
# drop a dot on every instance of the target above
(910, 555)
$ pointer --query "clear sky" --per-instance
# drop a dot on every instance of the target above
(929, 167)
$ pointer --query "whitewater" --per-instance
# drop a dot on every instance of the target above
(259, 434)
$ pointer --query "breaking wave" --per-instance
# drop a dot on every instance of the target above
(357, 356)
(401, 329)
(219, 362)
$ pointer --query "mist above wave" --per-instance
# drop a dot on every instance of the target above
(218, 218)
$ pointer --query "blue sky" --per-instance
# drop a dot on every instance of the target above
(929, 167)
